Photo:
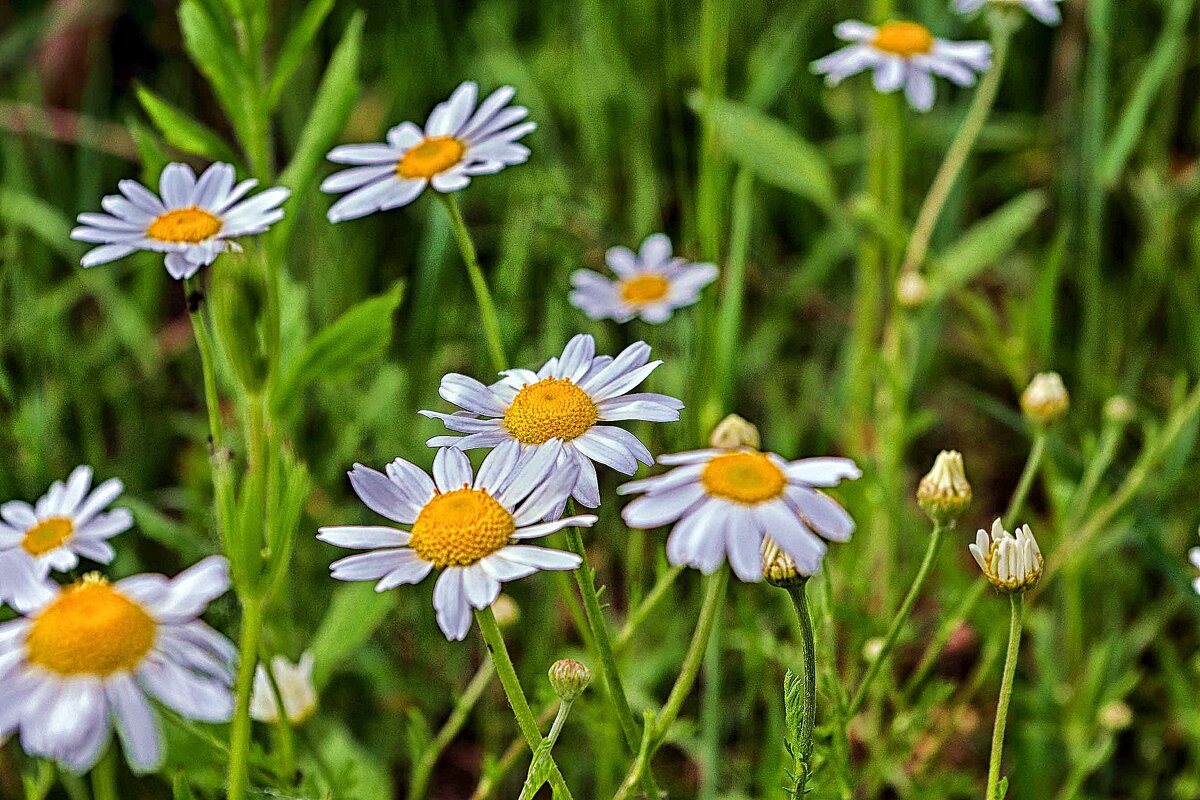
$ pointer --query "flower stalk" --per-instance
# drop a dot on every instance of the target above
(483, 296)
(1006, 688)
(808, 712)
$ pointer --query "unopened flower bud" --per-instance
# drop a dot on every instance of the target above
(506, 610)
(779, 569)
(1045, 399)
(569, 678)
(734, 432)
(295, 683)
(1010, 563)
(944, 493)
(912, 290)
(872, 649)
(1115, 716)
(1118, 409)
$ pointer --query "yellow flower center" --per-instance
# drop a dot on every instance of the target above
(905, 39)
(191, 225)
(91, 629)
(458, 528)
(47, 535)
(642, 289)
(433, 155)
(551, 408)
(746, 477)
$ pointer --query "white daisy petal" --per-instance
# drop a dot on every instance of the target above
(363, 537)
(135, 723)
(451, 470)
(450, 604)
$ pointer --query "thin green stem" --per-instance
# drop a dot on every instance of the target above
(240, 730)
(483, 295)
(729, 314)
(490, 780)
(808, 709)
(1003, 27)
(104, 776)
(585, 579)
(713, 596)
(1006, 688)
(458, 717)
(1032, 464)
(889, 640)
(560, 719)
(204, 343)
(516, 695)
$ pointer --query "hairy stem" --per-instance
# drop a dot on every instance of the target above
(808, 712)
(240, 729)
(1006, 688)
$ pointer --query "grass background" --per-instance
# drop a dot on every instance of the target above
(1072, 243)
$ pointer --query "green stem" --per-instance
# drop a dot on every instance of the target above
(104, 776)
(516, 695)
(490, 780)
(1006, 688)
(204, 343)
(808, 710)
(240, 730)
(898, 621)
(1032, 464)
(729, 314)
(713, 596)
(585, 579)
(483, 296)
(964, 142)
(458, 717)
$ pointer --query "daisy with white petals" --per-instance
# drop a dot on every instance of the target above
(1011, 563)
(1194, 555)
(67, 523)
(460, 140)
(471, 527)
(903, 55)
(650, 285)
(1043, 10)
(295, 684)
(565, 400)
(723, 502)
(193, 222)
(90, 658)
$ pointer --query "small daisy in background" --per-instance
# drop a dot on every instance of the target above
(460, 140)
(650, 285)
(88, 659)
(1012, 562)
(193, 222)
(1042, 10)
(566, 400)
(1194, 555)
(903, 54)
(67, 523)
(471, 527)
(295, 684)
(724, 501)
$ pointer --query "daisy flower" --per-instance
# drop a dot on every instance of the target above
(565, 400)
(723, 502)
(1194, 555)
(471, 527)
(903, 54)
(460, 140)
(69, 521)
(1043, 10)
(295, 683)
(89, 659)
(649, 285)
(193, 222)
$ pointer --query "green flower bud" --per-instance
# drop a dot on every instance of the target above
(944, 493)
(569, 678)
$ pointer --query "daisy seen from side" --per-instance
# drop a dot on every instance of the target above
(461, 139)
(192, 220)
(650, 284)
(67, 523)
(903, 55)
(569, 400)
(722, 502)
(471, 527)
(91, 657)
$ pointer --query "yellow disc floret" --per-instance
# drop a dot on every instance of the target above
(433, 155)
(744, 477)
(905, 39)
(184, 226)
(551, 408)
(645, 288)
(91, 629)
(49, 534)
(458, 528)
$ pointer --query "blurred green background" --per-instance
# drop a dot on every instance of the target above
(1071, 243)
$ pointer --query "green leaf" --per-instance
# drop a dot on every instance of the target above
(153, 154)
(291, 54)
(359, 337)
(539, 771)
(180, 130)
(985, 243)
(335, 98)
(793, 709)
(1001, 789)
(211, 45)
(180, 790)
(775, 153)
